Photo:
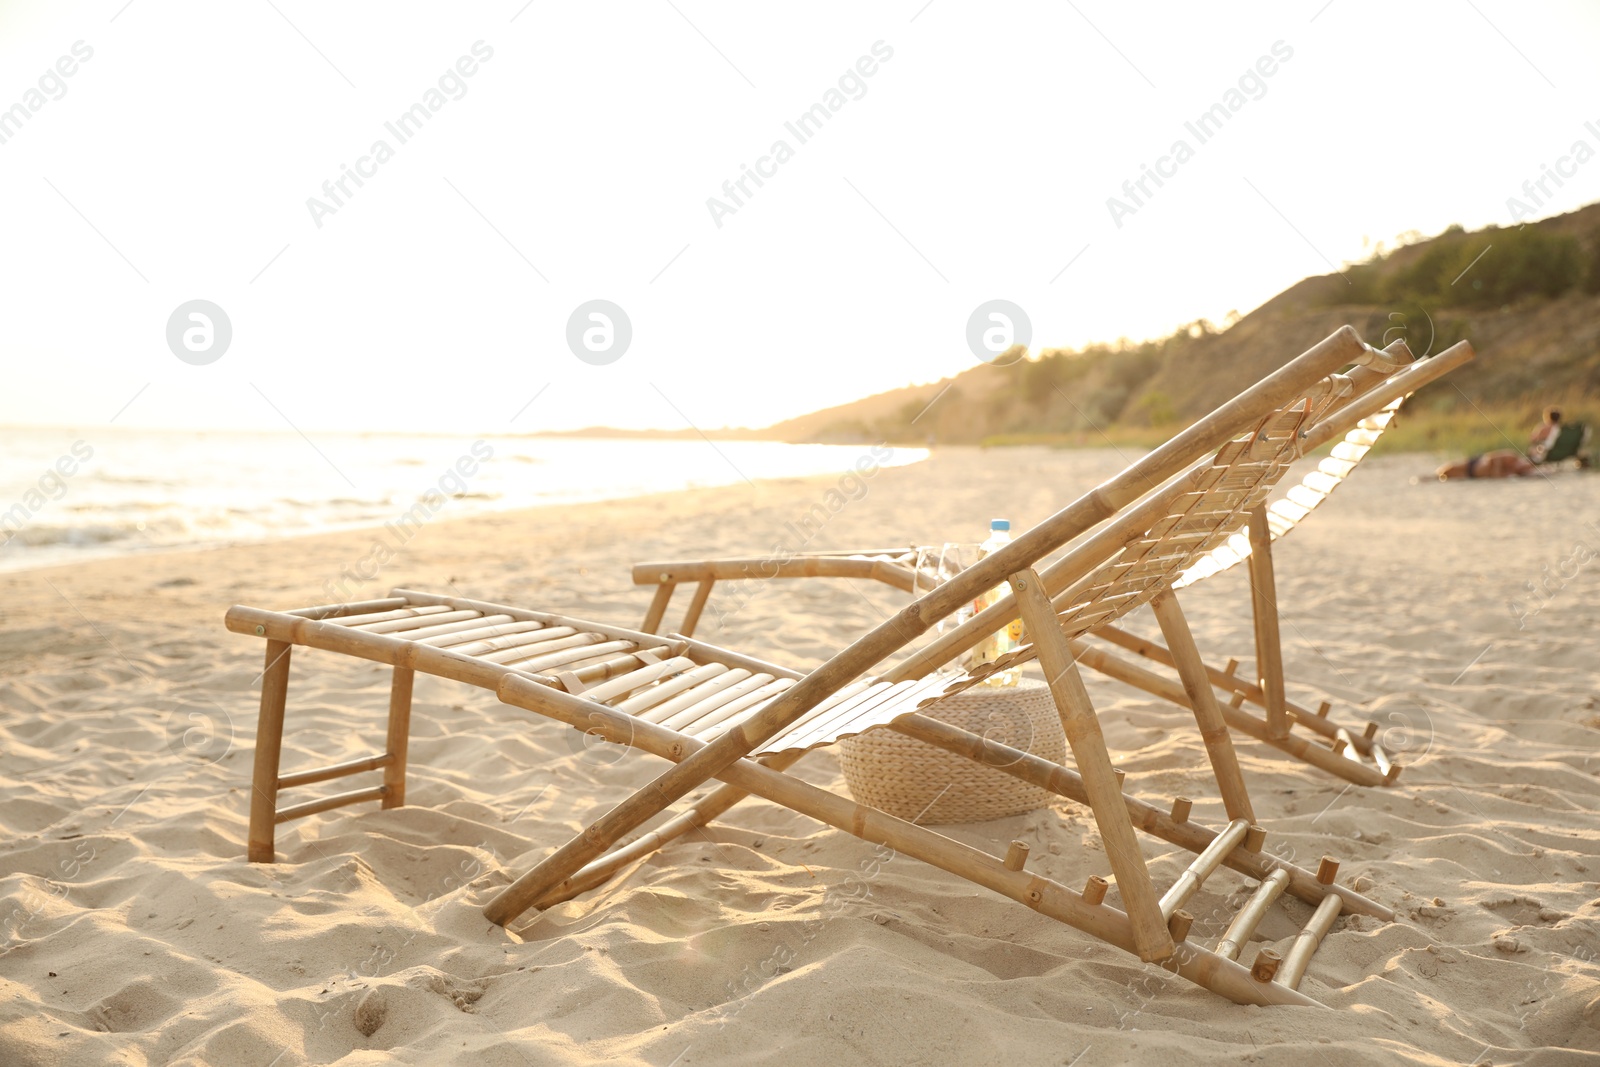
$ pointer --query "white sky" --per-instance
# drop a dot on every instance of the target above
(976, 166)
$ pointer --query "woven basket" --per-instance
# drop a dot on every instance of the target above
(917, 782)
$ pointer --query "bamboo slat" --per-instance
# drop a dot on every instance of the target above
(422, 620)
(627, 683)
(1307, 941)
(338, 800)
(1249, 917)
(493, 626)
(687, 719)
(362, 620)
(1190, 881)
(671, 687)
(573, 655)
(333, 770)
(615, 633)
(518, 633)
(516, 646)
(537, 650)
(708, 726)
(869, 709)
(602, 669)
(822, 725)
(844, 696)
(447, 629)
(601, 662)
(848, 700)
(689, 698)
(349, 609)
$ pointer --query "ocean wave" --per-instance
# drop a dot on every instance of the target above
(159, 499)
(39, 535)
(133, 507)
(134, 479)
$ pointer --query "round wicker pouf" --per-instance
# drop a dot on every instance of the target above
(917, 782)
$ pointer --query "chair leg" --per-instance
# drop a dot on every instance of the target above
(1203, 700)
(1264, 604)
(658, 608)
(399, 737)
(269, 751)
(697, 604)
(1082, 728)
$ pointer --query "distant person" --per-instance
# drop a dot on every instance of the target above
(1544, 438)
(1506, 463)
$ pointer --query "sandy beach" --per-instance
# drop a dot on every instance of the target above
(132, 931)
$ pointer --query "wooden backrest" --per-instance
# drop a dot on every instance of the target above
(1214, 506)
(1362, 423)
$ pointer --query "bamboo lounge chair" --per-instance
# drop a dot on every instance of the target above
(1355, 755)
(709, 711)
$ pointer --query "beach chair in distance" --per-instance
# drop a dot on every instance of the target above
(1352, 754)
(710, 710)
(1571, 443)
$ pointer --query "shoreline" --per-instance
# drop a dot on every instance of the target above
(403, 518)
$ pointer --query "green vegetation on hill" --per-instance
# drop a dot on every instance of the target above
(1477, 270)
(1527, 298)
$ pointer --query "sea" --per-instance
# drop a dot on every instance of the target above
(70, 495)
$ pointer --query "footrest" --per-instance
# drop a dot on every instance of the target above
(1269, 966)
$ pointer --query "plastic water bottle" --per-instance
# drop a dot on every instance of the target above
(1010, 637)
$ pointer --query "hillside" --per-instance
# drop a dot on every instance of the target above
(1530, 305)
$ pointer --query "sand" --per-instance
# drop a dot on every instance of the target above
(133, 932)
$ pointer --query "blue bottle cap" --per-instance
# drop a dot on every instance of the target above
(999, 524)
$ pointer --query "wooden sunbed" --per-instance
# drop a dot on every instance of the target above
(717, 715)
